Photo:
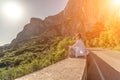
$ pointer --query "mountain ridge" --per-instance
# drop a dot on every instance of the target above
(38, 26)
(77, 17)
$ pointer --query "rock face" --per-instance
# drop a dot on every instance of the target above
(77, 16)
(34, 28)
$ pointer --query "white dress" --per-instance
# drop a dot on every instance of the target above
(79, 48)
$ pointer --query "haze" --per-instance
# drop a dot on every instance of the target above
(13, 20)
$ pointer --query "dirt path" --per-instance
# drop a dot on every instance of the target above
(68, 69)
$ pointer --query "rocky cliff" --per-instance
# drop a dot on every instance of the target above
(34, 28)
(77, 16)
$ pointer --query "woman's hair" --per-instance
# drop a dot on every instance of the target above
(78, 36)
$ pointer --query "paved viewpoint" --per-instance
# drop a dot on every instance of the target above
(68, 69)
(99, 65)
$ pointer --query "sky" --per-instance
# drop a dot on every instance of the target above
(13, 18)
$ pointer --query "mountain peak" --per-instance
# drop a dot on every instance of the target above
(36, 20)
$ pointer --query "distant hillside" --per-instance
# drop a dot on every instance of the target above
(37, 53)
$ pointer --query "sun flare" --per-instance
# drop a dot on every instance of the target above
(12, 10)
(117, 2)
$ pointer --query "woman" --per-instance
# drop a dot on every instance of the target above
(78, 49)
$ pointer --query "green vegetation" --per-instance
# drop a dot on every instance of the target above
(105, 35)
(34, 55)
(42, 51)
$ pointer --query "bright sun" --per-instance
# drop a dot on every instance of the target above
(116, 2)
(12, 10)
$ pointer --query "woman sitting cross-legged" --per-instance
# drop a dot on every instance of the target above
(78, 49)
